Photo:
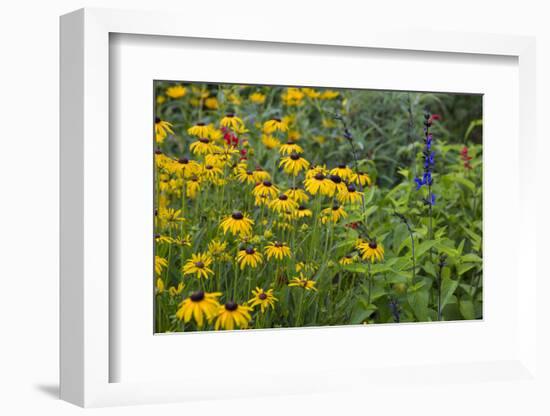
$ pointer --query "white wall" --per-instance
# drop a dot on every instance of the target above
(29, 175)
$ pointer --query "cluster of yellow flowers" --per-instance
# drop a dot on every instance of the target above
(222, 159)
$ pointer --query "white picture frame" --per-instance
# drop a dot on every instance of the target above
(86, 353)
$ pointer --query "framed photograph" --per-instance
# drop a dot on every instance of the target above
(313, 213)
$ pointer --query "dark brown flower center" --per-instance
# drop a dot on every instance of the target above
(351, 188)
(230, 115)
(157, 235)
(231, 306)
(209, 167)
(204, 140)
(183, 161)
(335, 178)
(278, 120)
(199, 264)
(158, 152)
(157, 120)
(342, 166)
(294, 156)
(237, 215)
(277, 244)
(301, 207)
(373, 245)
(335, 207)
(250, 251)
(267, 183)
(249, 173)
(283, 197)
(197, 296)
(319, 176)
(200, 124)
(262, 296)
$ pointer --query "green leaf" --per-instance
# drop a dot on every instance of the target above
(463, 268)
(471, 258)
(418, 301)
(467, 309)
(423, 247)
(448, 287)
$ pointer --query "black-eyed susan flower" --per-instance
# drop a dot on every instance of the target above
(176, 91)
(293, 135)
(237, 223)
(270, 142)
(211, 103)
(302, 212)
(200, 306)
(217, 249)
(283, 204)
(233, 122)
(339, 184)
(349, 195)
(305, 267)
(289, 148)
(257, 98)
(249, 257)
(311, 92)
(361, 178)
(371, 251)
(245, 175)
(329, 95)
(185, 241)
(294, 164)
(163, 239)
(319, 183)
(297, 194)
(275, 124)
(265, 189)
(169, 217)
(303, 282)
(200, 130)
(198, 264)
(232, 315)
(186, 167)
(203, 146)
(211, 172)
(193, 186)
(261, 174)
(159, 286)
(277, 250)
(176, 290)
(262, 298)
(347, 259)
(162, 128)
(292, 97)
(344, 171)
(334, 214)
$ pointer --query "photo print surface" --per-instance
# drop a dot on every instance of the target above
(284, 206)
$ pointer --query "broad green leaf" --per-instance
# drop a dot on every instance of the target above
(448, 287)
(424, 247)
(463, 268)
(467, 309)
(471, 258)
(418, 300)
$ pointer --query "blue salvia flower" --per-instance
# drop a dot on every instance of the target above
(429, 161)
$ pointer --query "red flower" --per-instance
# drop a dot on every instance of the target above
(465, 158)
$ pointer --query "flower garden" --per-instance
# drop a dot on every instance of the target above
(289, 207)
